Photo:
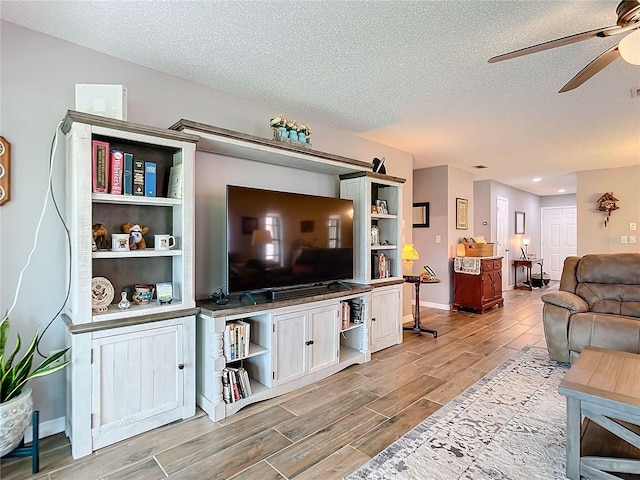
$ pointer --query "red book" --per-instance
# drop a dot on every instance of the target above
(117, 167)
(100, 166)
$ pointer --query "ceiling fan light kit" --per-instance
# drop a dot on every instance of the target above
(628, 48)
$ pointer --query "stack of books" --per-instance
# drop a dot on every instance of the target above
(236, 339)
(381, 266)
(235, 384)
(345, 314)
(357, 310)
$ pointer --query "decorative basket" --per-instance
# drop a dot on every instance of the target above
(479, 249)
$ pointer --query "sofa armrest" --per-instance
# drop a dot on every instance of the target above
(567, 300)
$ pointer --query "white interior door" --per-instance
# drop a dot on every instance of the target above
(502, 237)
(559, 238)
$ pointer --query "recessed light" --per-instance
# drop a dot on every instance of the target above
(536, 179)
(562, 190)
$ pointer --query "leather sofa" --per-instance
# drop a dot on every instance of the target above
(598, 303)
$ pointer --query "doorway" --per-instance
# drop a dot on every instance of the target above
(559, 238)
(502, 237)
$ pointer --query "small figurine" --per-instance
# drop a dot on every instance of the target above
(100, 235)
(123, 304)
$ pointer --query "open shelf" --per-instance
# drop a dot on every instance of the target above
(144, 253)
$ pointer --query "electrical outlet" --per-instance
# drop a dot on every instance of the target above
(633, 239)
(624, 239)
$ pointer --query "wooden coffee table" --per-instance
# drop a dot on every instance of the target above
(604, 387)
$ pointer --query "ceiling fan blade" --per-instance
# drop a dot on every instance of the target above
(590, 70)
(559, 42)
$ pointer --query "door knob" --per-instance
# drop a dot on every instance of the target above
(180, 366)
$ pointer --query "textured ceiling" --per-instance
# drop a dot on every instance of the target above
(409, 74)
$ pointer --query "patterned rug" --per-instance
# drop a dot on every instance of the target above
(508, 425)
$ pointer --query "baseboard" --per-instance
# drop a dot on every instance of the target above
(438, 306)
(407, 319)
(47, 429)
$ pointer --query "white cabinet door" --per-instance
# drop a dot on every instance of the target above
(323, 332)
(385, 318)
(138, 382)
(288, 348)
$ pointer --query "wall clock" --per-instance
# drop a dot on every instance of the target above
(5, 159)
(101, 294)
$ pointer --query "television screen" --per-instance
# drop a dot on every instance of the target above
(278, 239)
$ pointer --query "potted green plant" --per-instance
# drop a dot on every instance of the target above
(16, 404)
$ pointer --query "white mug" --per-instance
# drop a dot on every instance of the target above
(120, 242)
(163, 242)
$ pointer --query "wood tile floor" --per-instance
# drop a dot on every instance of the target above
(323, 431)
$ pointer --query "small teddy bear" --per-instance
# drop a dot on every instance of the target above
(136, 232)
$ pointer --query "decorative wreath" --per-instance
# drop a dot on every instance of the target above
(607, 203)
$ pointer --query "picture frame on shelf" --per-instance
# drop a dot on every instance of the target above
(382, 207)
(520, 223)
(462, 214)
(164, 292)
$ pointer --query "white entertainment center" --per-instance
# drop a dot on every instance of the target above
(177, 348)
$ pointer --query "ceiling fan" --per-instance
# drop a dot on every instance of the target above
(628, 12)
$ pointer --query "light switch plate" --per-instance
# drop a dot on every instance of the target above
(624, 239)
(632, 226)
(633, 239)
(438, 239)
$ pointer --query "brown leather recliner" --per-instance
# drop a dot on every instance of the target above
(598, 303)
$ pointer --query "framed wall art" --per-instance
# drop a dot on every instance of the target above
(421, 215)
(462, 214)
(519, 223)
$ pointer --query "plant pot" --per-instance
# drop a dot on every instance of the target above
(14, 420)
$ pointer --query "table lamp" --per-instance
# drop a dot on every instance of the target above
(409, 255)
(526, 241)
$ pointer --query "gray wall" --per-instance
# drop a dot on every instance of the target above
(430, 185)
(485, 195)
(568, 200)
(38, 78)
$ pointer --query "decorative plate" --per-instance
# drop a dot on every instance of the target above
(101, 294)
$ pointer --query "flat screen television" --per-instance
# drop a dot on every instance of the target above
(278, 239)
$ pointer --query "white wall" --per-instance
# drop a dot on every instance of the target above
(38, 77)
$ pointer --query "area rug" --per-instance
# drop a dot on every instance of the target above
(508, 425)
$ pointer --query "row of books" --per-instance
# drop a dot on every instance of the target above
(380, 266)
(235, 384)
(119, 173)
(236, 339)
(351, 311)
(356, 310)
